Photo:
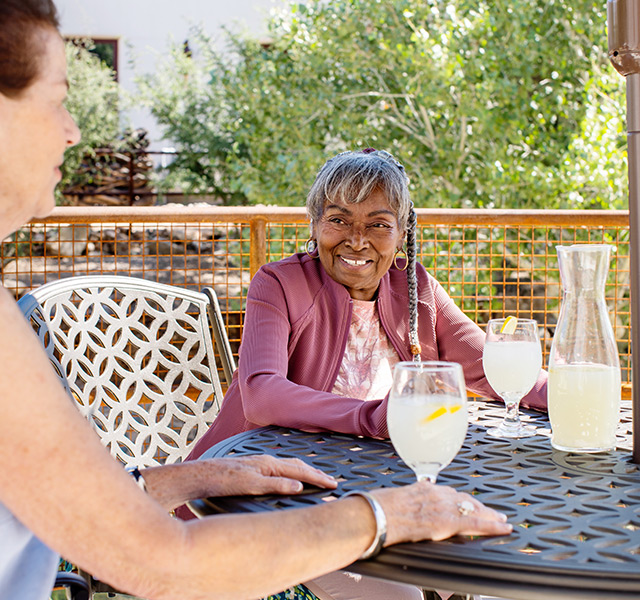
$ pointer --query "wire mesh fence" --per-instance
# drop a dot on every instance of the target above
(492, 263)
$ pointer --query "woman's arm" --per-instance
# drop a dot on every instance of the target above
(461, 340)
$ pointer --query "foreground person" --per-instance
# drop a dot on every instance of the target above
(60, 490)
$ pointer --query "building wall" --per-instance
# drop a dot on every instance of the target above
(145, 28)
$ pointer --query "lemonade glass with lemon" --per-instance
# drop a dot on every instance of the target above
(427, 415)
(512, 360)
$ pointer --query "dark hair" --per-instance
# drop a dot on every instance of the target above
(352, 177)
(21, 22)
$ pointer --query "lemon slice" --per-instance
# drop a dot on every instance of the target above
(439, 412)
(434, 415)
(509, 325)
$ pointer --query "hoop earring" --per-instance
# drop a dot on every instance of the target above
(310, 246)
(395, 259)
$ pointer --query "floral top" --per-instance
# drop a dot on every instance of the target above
(366, 371)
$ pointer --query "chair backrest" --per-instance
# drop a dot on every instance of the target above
(137, 356)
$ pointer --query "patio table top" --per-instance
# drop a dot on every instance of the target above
(576, 517)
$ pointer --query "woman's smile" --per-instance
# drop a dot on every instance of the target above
(355, 262)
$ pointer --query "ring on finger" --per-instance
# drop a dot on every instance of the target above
(465, 508)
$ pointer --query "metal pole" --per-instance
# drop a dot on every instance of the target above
(633, 150)
(623, 18)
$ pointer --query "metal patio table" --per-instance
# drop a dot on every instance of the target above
(576, 517)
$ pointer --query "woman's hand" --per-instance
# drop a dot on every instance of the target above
(263, 475)
(173, 485)
(427, 511)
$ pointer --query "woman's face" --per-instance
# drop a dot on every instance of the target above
(357, 243)
(35, 130)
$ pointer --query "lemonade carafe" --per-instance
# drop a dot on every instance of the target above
(584, 369)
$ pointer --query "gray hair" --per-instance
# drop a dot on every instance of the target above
(351, 177)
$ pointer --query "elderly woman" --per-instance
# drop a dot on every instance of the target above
(323, 329)
(61, 492)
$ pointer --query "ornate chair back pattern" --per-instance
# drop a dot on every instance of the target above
(136, 356)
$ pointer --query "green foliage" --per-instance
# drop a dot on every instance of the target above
(94, 103)
(194, 110)
(489, 104)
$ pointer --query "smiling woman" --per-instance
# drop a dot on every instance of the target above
(324, 328)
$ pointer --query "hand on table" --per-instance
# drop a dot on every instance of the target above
(173, 485)
(425, 511)
(263, 475)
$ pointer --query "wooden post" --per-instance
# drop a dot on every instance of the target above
(258, 249)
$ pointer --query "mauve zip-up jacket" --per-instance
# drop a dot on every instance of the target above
(295, 331)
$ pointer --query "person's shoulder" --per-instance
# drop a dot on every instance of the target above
(296, 275)
(6, 298)
(398, 278)
(297, 265)
(9, 310)
(301, 286)
(294, 260)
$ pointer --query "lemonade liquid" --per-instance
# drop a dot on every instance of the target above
(512, 368)
(584, 401)
(427, 431)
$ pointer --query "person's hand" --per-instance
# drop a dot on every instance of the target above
(263, 475)
(425, 511)
(173, 485)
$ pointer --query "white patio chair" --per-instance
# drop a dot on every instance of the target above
(137, 357)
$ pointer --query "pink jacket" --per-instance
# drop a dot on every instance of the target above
(296, 326)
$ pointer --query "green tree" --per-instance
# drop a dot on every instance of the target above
(194, 107)
(496, 104)
(94, 101)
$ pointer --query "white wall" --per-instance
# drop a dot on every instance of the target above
(145, 27)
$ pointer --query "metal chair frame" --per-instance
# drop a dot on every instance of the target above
(220, 334)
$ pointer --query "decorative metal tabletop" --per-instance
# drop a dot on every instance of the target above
(576, 517)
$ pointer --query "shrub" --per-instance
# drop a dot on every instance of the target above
(488, 104)
(94, 101)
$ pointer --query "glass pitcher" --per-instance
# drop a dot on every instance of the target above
(584, 369)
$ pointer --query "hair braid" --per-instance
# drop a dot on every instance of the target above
(413, 286)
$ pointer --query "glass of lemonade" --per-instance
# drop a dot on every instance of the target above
(427, 415)
(512, 359)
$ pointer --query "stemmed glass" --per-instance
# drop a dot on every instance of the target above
(512, 360)
(427, 415)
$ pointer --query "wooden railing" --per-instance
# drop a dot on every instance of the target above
(492, 262)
